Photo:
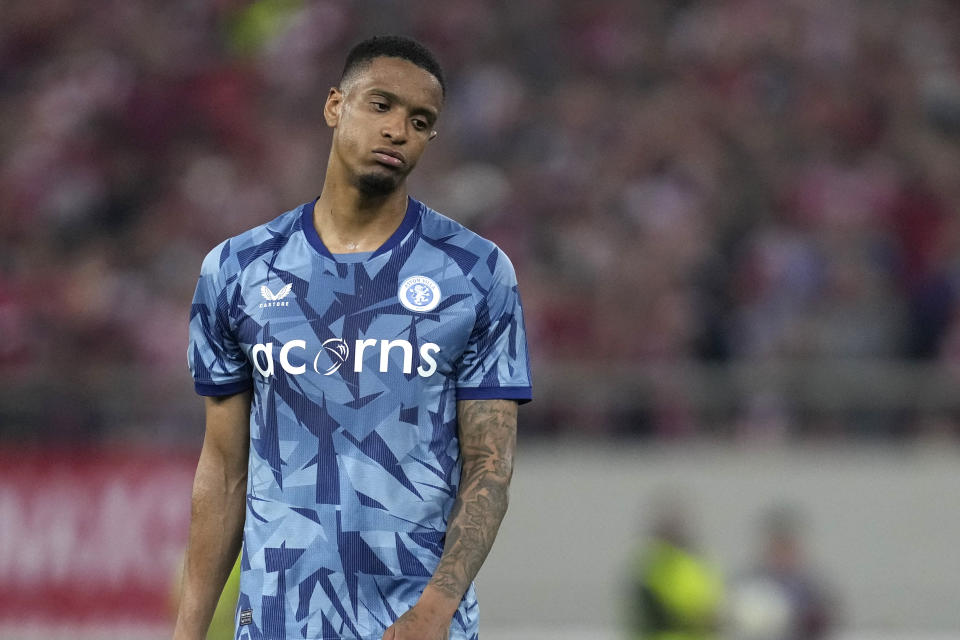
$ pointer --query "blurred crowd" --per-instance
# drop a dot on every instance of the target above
(675, 180)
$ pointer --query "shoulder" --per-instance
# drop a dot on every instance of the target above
(479, 258)
(230, 257)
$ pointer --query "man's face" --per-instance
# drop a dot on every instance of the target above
(383, 115)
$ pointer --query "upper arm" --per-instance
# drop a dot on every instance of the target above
(227, 434)
(217, 361)
(488, 435)
(495, 363)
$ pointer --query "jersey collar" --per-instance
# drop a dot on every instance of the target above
(409, 221)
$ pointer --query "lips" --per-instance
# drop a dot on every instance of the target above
(389, 157)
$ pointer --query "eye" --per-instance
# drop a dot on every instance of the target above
(379, 105)
(420, 125)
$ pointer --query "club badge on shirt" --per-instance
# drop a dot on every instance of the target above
(419, 293)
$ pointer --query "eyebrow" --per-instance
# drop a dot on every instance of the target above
(416, 110)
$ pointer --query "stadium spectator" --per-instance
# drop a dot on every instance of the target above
(782, 597)
(736, 182)
(674, 593)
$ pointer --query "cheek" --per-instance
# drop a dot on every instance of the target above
(353, 127)
(420, 146)
(349, 139)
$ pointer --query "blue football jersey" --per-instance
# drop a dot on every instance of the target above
(356, 367)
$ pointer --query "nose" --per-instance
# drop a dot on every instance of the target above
(395, 129)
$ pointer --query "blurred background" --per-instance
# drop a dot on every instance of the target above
(735, 226)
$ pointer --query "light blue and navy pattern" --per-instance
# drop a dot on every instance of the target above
(354, 458)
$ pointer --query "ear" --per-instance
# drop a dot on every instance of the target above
(331, 108)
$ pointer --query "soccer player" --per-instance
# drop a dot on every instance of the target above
(363, 357)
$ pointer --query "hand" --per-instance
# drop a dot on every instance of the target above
(417, 624)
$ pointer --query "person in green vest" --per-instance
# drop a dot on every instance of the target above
(675, 593)
(222, 624)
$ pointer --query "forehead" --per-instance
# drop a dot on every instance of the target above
(400, 77)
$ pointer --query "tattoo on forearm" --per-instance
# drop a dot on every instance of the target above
(488, 433)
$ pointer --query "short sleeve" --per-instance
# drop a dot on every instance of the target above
(496, 363)
(217, 362)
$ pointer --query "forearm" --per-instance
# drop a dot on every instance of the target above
(487, 440)
(216, 530)
(218, 506)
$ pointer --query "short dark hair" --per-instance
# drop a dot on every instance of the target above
(391, 46)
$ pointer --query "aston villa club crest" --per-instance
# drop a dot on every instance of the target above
(419, 293)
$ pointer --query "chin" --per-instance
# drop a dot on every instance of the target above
(377, 184)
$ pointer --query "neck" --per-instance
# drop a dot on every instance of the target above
(349, 221)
